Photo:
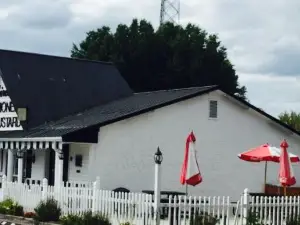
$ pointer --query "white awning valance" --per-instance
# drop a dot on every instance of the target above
(31, 143)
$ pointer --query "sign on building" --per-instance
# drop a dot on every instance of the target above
(8, 116)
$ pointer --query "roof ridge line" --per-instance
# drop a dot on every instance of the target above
(57, 56)
(176, 89)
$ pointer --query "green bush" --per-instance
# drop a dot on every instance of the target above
(71, 220)
(11, 207)
(253, 219)
(86, 219)
(293, 221)
(126, 223)
(204, 219)
(47, 211)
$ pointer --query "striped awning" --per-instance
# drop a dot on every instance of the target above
(32, 143)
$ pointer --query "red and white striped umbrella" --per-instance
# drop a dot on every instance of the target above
(190, 172)
(286, 174)
(265, 153)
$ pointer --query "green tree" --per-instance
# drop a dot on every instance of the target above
(291, 118)
(170, 57)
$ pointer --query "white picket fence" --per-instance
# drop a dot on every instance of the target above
(268, 210)
(190, 208)
(118, 207)
(79, 184)
(138, 209)
(275, 210)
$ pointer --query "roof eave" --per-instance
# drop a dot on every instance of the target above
(263, 113)
(140, 112)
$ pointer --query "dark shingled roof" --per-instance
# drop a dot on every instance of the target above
(71, 98)
(120, 109)
(110, 112)
(53, 87)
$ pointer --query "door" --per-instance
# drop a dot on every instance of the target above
(51, 167)
(29, 158)
(66, 151)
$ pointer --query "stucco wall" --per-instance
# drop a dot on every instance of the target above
(124, 155)
(38, 167)
(79, 173)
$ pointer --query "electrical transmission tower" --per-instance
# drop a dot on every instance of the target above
(169, 11)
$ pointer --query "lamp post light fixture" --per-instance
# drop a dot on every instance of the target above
(158, 157)
(20, 154)
(61, 155)
(22, 114)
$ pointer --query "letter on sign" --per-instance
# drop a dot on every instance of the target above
(8, 116)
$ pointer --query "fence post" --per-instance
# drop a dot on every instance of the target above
(96, 187)
(4, 187)
(245, 205)
(45, 189)
(97, 182)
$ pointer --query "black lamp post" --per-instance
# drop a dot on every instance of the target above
(158, 157)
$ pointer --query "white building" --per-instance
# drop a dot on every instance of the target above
(115, 136)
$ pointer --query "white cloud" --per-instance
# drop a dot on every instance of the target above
(272, 93)
(262, 37)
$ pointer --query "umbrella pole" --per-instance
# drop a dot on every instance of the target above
(186, 189)
(284, 189)
(265, 179)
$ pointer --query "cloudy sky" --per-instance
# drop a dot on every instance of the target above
(262, 37)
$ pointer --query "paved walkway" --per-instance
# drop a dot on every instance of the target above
(8, 223)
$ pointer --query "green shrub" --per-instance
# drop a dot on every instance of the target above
(71, 220)
(126, 223)
(293, 221)
(11, 207)
(96, 219)
(17, 210)
(86, 218)
(5, 206)
(3, 210)
(253, 219)
(204, 219)
(47, 211)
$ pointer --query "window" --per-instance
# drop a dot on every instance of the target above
(213, 109)
(78, 160)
